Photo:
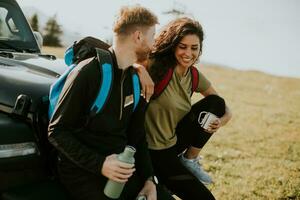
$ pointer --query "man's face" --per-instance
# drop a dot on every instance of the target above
(147, 42)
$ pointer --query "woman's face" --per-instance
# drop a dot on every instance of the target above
(187, 51)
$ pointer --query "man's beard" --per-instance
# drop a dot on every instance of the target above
(142, 53)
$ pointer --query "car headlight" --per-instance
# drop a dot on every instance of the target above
(18, 149)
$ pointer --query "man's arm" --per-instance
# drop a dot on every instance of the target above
(69, 117)
(146, 81)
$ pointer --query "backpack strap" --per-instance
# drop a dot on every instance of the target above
(69, 55)
(162, 84)
(105, 64)
(136, 90)
(195, 78)
(56, 89)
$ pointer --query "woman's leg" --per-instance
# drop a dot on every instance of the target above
(176, 177)
(192, 132)
(192, 137)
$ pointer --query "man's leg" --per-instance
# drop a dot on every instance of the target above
(80, 184)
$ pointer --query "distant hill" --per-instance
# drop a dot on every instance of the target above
(67, 38)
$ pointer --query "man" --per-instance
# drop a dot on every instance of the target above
(88, 146)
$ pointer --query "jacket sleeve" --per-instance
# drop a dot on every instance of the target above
(70, 117)
(137, 138)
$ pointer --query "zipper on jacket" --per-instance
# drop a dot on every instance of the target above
(121, 85)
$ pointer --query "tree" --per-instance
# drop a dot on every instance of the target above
(52, 33)
(34, 22)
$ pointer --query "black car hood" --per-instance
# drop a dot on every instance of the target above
(27, 74)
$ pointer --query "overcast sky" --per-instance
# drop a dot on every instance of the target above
(249, 34)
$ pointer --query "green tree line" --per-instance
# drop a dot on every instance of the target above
(51, 32)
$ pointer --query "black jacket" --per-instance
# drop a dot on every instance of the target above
(86, 141)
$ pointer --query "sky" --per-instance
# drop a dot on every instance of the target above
(249, 35)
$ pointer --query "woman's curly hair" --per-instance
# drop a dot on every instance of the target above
(162, 56)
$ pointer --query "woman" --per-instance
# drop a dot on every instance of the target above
(174, 135)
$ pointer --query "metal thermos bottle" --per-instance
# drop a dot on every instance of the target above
(114, 189)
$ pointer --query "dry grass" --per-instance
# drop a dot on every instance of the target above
(59, 52)
(257, 155)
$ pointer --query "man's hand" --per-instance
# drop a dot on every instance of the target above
(116, 170)
(149, 190)
(146, 81)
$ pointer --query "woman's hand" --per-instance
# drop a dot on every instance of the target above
(214, 125)
(116, 170)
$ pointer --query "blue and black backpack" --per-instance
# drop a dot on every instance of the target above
(86, 48)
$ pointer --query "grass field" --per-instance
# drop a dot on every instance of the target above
(257, 155)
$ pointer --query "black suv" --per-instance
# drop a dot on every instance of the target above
(26, 159)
